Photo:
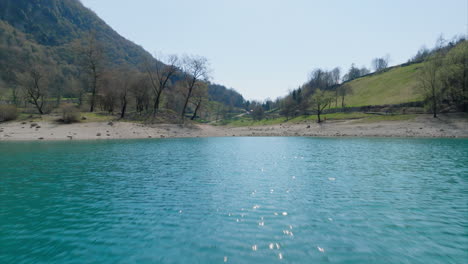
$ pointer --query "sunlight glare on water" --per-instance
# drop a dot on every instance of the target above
(235, 200)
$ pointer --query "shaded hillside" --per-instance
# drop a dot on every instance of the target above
(229, 97)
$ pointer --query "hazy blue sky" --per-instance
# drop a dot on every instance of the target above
(263, 48)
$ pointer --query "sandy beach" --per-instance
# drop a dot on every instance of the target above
(446, 126)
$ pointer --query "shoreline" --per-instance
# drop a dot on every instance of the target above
(423, 126)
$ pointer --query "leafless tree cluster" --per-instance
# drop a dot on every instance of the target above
(160, 73)
(35, 87)
(91, 59)
(196, 74)
(380, 64)
(170, 83)
(323, 88)
(355, 72)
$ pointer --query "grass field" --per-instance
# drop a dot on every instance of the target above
(397, 85)
(358, 116)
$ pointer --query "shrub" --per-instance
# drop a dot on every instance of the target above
(8, 112)
(258, 113)
(70, 113)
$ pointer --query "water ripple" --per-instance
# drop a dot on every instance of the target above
(235, 200)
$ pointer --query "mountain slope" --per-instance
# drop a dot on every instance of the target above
(53, 23)
(43, 32)
(394, 86)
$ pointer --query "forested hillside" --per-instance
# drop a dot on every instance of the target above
(56, 49)
(53, 24)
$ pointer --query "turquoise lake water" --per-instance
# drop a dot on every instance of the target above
(235, 200)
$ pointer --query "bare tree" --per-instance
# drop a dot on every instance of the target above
(218, 111)
(195, 71)
(199, 97)
(342, 91)
(160, 73)
(258, 113)
(320, 100)
(123, 95)
(336, 75)
(363, 71)
(108, 94)
(35, 87)
(320, 79)
(140, 88)
(77, 85)
(92, 61)
(122, 80)
(353, 73)
(11, 80)
(380, 64)
(429, 80)
(288, 107)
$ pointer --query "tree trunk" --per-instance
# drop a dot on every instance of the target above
(186, 102)
(59, 98)
(91, 109)
(465, 100)
(185, 106)
(80, 99)
(156, 102)
(191, 85)
(14, 95)
(217, 113)
(124, 108)
(38, 107)
(93, 96)
(434, 102)
(318, 115)
(195, 112)
(336, 97)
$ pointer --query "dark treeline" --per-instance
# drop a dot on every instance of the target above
(443, 83)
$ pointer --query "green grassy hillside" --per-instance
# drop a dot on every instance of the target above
(395, 86)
